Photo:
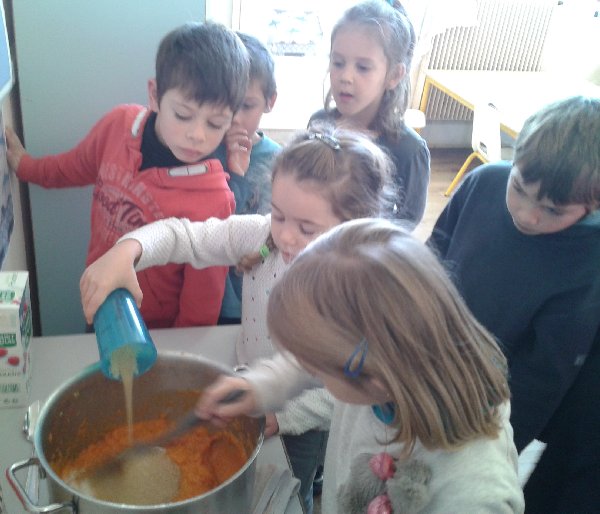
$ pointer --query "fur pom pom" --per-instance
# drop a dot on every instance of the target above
(408, 489)
(380, 505)
(382, 465)
(362, 486)
(378, 484)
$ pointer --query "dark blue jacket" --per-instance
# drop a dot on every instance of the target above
(539, 295)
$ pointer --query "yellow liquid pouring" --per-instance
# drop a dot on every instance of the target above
(123, 365)
(145, 478)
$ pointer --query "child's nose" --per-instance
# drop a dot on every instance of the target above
(196, 133)
(287, 236)
(346, 74)
(237, 119)
(530, 215)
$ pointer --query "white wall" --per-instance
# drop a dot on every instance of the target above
(220, 11)
(573, 40)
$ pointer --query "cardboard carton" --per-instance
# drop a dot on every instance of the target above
(15, 335)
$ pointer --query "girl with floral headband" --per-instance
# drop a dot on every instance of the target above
(420, 420)
(319, 180)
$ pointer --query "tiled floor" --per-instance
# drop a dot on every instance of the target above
(444, 165)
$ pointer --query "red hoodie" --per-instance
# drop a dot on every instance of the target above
(124, 199)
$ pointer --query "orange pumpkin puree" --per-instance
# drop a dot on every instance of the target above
(205, 459)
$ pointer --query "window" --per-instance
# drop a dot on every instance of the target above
(298, 36)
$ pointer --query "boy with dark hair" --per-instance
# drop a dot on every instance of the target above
(522, 243)
(246, 154)
(152, 163)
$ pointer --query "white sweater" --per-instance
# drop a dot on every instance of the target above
(480, 477)
(224, 243)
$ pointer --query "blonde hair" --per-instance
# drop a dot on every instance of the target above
(371, 279)
(345, 167)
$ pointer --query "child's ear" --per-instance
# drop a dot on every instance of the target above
(152, 95)
(271, 102)
(395, 75)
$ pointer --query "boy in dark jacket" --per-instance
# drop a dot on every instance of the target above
(522, 243)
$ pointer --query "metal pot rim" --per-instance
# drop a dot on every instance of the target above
(95, 368)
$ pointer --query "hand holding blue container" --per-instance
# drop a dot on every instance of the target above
(122, 336)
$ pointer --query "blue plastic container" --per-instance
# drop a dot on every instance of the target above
(119, 324)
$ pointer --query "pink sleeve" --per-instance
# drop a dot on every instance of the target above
(76, 167)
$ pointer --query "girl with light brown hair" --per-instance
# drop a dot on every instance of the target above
(420, 418)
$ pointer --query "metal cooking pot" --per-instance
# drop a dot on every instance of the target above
(89, 404)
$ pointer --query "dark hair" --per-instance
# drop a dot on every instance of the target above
(345, 167)
(559, 146)
(262, 66)
(394, 31)
(205, 61)
(354, 176)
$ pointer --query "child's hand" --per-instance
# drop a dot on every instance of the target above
(113, 270)
(210, 408)
(238, 147)
(14, 149)
(271, 425)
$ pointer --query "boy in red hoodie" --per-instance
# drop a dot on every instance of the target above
(149, 163)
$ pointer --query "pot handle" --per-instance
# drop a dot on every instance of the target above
(11, 475)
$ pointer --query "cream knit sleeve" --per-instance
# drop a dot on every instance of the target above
(312, 410)
(299, 400)
(200, 243)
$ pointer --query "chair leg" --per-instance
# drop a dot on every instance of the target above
(462, 170)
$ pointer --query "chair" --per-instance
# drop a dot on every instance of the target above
(485, 140)
(414, 119)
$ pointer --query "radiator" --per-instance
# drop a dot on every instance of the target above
(510, 36)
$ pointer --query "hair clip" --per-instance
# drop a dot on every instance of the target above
(352, 369)
(264, 251)
(330, 141)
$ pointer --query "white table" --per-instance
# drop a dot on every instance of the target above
(59, 358)
(516, 94)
